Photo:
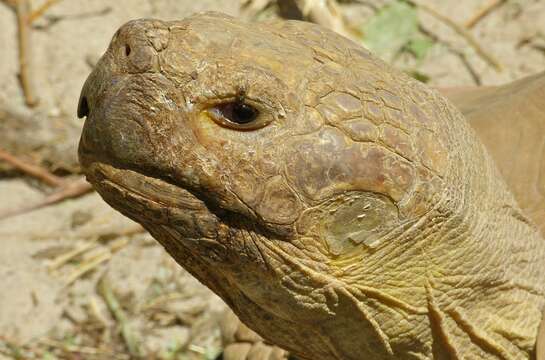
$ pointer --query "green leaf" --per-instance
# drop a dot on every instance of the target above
(419, 46)
(390, 29)
(420, 76)
(211, 353)
(49, 356)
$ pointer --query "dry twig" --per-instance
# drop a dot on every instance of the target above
(22, 10)
(482, 12)
(31, 169)
(67, 191)
(36, 14)
(462, 32)
(25, 18)
(467, 64)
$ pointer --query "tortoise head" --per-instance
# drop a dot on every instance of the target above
(293, 173)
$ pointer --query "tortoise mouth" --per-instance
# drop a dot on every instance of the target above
(141, 197)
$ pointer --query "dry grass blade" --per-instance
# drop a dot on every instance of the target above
(197, 349)
(26, 76)
(115, 308)
(25, 17)
(96, 260)
(84, 350)
(88, 266)
(64, 258)
(462, 31)
(94, 310)
(33, 170)
(118, 244)
(483, 12)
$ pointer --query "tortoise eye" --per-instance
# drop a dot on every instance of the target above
(238, 112)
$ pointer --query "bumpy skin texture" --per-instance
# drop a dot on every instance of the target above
(361, 219)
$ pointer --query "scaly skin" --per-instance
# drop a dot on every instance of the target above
(359, 218)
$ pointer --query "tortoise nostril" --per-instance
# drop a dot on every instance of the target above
(127, 50)
(83, 107)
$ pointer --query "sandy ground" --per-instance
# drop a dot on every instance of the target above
(48, 305)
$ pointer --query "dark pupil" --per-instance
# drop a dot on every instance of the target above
(243, 113)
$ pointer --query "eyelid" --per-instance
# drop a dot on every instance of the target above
(263, 118)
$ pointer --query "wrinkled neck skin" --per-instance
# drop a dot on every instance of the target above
(461, 281)
(411, 247)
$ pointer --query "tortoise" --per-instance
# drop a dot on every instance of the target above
(342, 209)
